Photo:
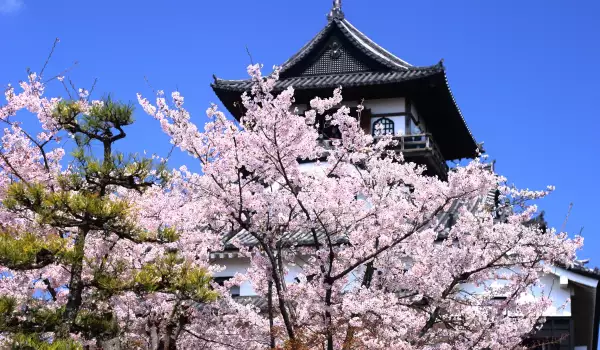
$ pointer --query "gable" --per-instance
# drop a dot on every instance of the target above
(335, 57)
(335, 50)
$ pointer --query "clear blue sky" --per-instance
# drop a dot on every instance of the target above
(524, 73)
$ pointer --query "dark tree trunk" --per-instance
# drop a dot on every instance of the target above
(271, 322)
(75, 288)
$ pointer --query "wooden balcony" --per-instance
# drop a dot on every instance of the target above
(420, 149)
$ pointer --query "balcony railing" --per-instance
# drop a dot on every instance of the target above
(418, 145)
(414, 147)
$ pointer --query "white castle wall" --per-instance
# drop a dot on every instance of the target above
(551, 287)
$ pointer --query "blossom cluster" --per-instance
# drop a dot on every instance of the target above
(377, 264)
(376, 271)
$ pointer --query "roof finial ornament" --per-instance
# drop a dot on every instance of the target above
(336, 11)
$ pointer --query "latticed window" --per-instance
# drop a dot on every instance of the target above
(383, 126)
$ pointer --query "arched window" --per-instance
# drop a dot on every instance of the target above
(383, 126)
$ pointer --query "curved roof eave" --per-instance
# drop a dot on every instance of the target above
(355, 36)
(335, 80)
(459, 111)
(373, 49)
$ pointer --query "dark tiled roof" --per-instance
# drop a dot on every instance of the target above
(446, 219)
(254, 300)
(366, 71)
(397, 69)
(336, 80)
(305, 237)
(306, 49)
(372, 49)
(580, 268)
(298, 238)
(360, 41)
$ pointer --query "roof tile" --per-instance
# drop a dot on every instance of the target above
(334, 80)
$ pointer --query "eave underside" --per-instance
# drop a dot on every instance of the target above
(341, 55)
(427, 87)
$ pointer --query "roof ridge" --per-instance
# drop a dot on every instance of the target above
(306, 48)
(372, 45)
(365, 44)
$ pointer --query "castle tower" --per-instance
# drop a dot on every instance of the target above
(414, 103)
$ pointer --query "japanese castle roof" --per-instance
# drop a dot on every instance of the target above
(341, 55)
(304, 238)
(375, 64)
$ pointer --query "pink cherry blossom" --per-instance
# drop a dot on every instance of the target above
(379, 270)
(347, 246)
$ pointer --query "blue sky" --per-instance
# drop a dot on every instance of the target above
(523, 72)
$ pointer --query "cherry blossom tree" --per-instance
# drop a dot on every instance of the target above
(384, 268)
(94, 249)
(113, 250)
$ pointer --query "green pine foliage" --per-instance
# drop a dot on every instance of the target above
(36, 342)
(28, 250)
(79, 204)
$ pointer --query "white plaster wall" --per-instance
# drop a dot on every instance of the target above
(378, 106)
(233, 266)
(293, 272)
(550, 287)
(240, 265)
(560, 296)
(550, 284)
(386, 105)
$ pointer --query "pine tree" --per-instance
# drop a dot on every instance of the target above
(73, 237)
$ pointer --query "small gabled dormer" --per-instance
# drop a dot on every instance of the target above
(414, 103)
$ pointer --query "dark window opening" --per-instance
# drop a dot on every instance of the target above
(451, 221)
(331, 131)
(326, 130)
(235, 290)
